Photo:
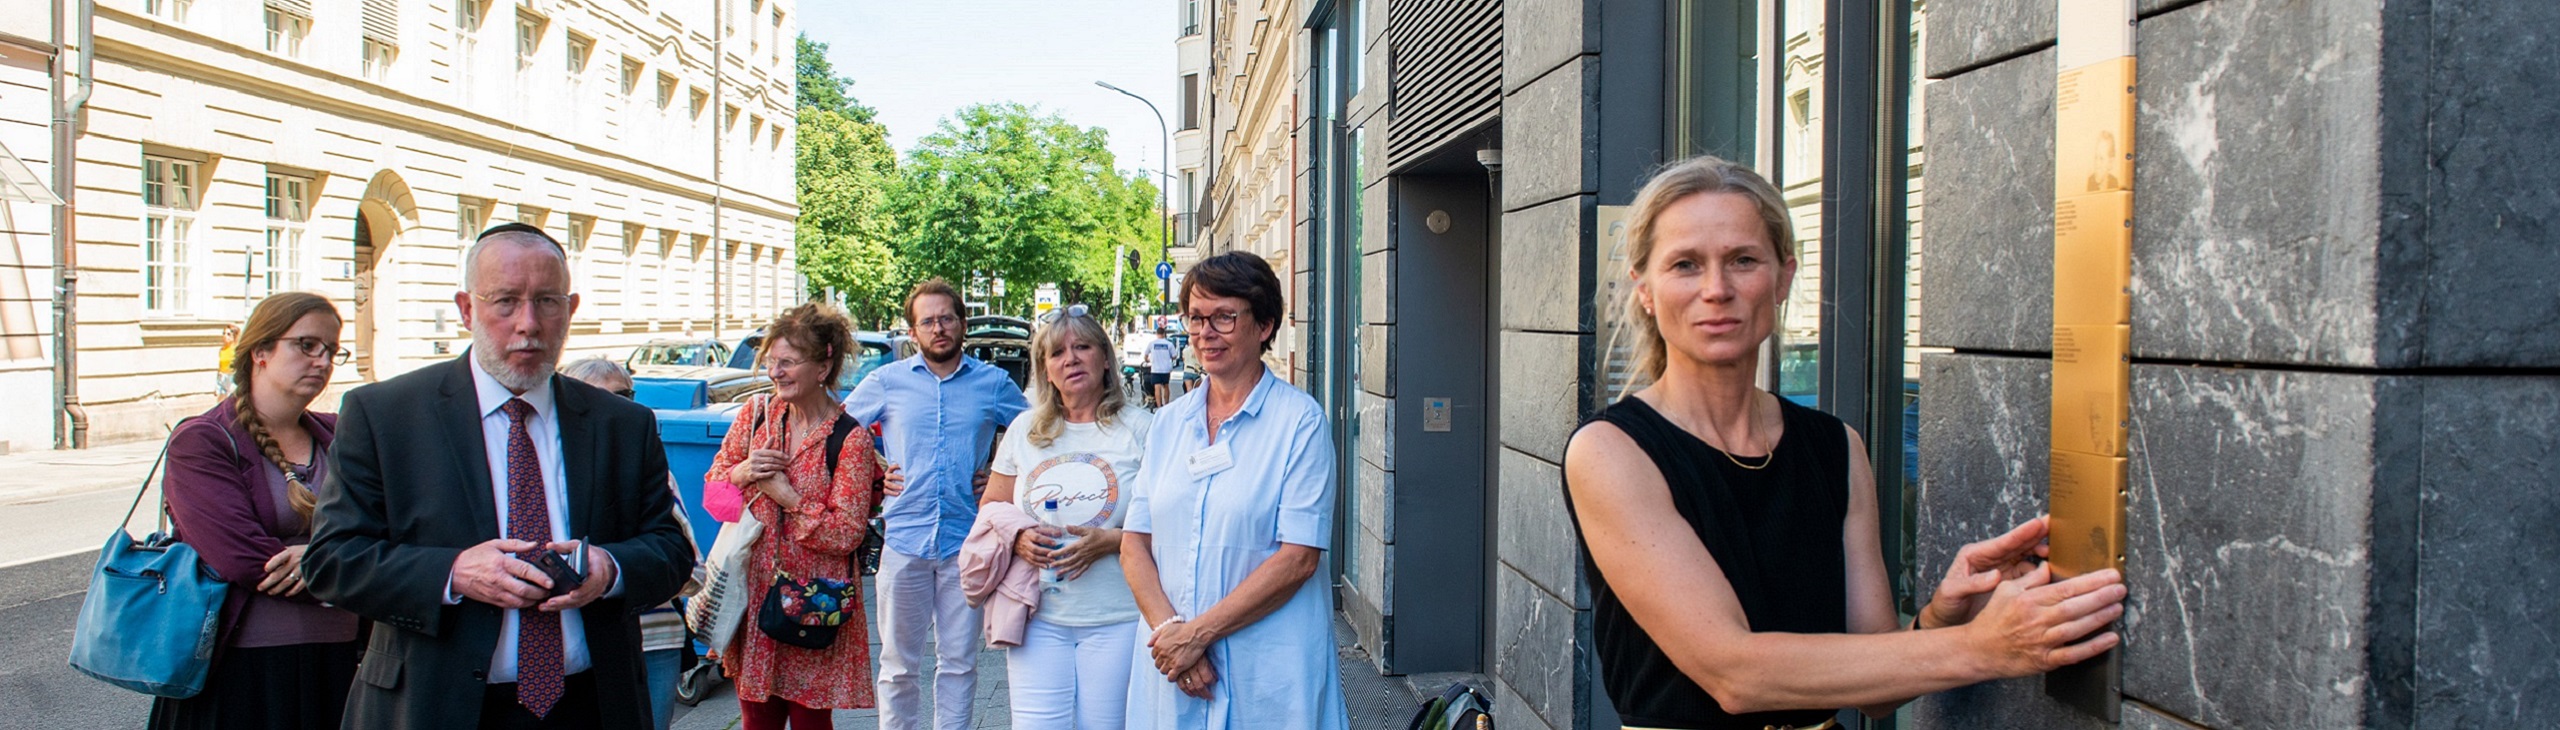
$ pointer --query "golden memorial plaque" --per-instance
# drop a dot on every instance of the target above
(2088, 513)
(2093, 259)
(2091, 388)
(2093, 129)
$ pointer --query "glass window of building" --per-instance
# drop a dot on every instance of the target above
(285, 32)
(279, 266)
(168, 223)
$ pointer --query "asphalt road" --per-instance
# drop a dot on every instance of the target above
(39, 603)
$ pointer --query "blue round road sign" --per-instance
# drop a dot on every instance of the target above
(1164, 270)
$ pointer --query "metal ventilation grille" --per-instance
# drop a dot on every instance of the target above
(1445, 61)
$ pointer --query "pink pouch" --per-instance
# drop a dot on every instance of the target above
(722, 500)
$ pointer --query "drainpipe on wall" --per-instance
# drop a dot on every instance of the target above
(719, 120)
(71, 430)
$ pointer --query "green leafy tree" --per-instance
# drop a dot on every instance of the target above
(845, 171)
(1003, 192)
(820, 88)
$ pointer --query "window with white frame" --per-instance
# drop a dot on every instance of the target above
(279, 267)
(579, 51)
(377, 59)
(777, 36)
(630, 75)
(285, 32)
(171, 10)
(467, 14)
(666, 90)
(664, 306)
(628, 243)
(469, 216)
(528, 40)
(169, 201)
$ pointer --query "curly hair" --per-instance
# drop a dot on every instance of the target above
(818, 329)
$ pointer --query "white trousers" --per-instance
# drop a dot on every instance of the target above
(921, 597)
(1071, 677)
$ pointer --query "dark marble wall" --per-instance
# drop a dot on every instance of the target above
(2346, 431)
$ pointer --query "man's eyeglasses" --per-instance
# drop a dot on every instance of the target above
(1072, 310)
(1222, 323)
(546, 305)
(939, 321)
(314, 347)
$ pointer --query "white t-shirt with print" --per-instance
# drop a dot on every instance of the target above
(1088, 470)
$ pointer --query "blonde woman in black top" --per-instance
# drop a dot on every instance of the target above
(1762, 599)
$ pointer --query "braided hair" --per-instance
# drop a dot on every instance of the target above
(265, 329)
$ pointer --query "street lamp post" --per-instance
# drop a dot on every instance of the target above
(1164, 210)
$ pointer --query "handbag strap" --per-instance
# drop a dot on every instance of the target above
(147, 477)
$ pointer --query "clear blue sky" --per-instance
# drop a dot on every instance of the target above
(918, 61)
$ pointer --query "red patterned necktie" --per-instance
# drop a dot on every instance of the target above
(538, 649)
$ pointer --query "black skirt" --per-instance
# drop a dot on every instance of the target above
(283, 687)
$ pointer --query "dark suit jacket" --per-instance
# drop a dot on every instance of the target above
(408, 490)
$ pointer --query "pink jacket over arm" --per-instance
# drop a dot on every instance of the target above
(1008, 590)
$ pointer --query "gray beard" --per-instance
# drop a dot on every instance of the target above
(493, 360)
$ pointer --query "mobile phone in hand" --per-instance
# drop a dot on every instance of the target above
(567, 572)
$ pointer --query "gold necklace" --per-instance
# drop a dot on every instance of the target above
(1728, 455)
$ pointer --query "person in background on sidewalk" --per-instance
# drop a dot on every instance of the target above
(939, 411)
(663, 640)
(1163, 357)
(1228, 529)
(1071, 462)
(1730, 535)
(239, 490)
(222, 380)
(776, 455)
(447, 482)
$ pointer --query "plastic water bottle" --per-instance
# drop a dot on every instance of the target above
(1049, 516)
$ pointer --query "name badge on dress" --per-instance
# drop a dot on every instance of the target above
(1211, 460)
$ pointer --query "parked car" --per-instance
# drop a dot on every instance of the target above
(870, 351)
(1001, 341)
(721, 384)
(686, 352)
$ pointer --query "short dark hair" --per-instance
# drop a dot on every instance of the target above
(816, 328)
(935, 287)
(1243, 276)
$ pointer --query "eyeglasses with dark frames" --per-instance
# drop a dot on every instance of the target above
(1222, 323)
(315, 347)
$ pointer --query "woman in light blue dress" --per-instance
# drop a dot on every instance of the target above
(1224, 541)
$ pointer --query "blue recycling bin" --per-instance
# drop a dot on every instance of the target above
(692, 437)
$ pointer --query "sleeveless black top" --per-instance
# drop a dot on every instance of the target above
(1776, 533)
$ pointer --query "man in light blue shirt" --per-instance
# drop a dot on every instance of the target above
(938, 412)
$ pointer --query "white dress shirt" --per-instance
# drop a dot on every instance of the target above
(544, 428)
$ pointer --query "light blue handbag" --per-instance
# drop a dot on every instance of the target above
(153, 611)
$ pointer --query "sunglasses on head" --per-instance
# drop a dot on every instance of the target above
(1071, 310)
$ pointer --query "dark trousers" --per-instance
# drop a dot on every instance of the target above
(772, 713)
(499, 709)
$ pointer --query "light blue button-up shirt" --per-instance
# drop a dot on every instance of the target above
(1209, 531)
(939, 430)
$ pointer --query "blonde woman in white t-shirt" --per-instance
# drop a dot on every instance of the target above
(1068, 462)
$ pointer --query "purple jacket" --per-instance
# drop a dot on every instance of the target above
(219, 503)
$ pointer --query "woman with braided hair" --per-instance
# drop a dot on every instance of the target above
(239, 490)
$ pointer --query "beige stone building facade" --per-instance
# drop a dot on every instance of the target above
(235, 148)
(1251, 60)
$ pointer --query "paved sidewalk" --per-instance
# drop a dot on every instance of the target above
(1383, 703)
(57, 503)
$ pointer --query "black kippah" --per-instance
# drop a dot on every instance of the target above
(521, 227)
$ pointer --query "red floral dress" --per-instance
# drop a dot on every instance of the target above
(817, 539)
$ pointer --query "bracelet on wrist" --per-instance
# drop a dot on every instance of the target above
(1159, 628)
